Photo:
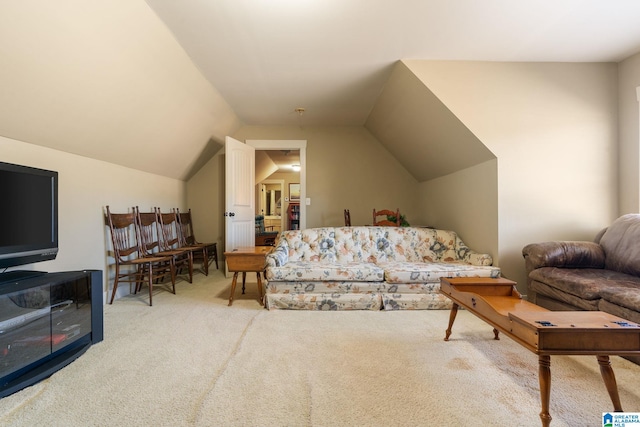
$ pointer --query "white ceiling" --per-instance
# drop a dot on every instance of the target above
(333, 57)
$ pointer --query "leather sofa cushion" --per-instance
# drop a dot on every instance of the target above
(629, 314)
(620, 245)
(626, 295)
(555, 294)
(586, 283)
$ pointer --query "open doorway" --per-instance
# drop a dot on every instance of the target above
(291, 177)
(277, 171)
(271, 203)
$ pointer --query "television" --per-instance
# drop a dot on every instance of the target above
(28, 215)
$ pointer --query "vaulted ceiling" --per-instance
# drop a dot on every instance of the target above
(334, 57)
(155, 85)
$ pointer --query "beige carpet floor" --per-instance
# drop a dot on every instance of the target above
(190, 360)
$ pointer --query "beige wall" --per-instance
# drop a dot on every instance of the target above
(467, 203)
(347, 168)
(205, 198)
(553, 129)
(629, 155)
(85, 187)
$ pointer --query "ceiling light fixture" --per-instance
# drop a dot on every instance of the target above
(300, 111)
(296, 168)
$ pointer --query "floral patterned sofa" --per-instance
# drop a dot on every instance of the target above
(368, 268)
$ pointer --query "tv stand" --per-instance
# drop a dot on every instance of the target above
(16, 275)
(47, 321)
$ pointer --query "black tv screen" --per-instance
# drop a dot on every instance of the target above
(28, 215)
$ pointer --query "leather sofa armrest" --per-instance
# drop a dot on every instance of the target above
(567, 254)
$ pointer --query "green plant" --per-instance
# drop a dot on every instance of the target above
(403, 220)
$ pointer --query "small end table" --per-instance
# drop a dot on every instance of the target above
(243, 260)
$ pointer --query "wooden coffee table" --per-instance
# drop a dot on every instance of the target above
(243, 260)
(544, 332)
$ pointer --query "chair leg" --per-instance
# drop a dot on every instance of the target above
(214, 253)
(172, 267)
(115, 283)
(205, 261)
(150, 285)
(173, 270)
(139, 279)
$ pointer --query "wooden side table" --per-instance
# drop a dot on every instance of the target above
(243, 260)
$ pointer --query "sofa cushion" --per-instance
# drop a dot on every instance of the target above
(620, 244)
(325, 287)
(586, 283)
(624, 312)
(542, 290)
(626, 294)
(298, 271)
(312, 244)
(379, 244)
(417, 272)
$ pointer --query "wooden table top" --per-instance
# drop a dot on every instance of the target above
(247, 259)
(250, 250)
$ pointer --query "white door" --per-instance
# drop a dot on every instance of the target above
(239, 194)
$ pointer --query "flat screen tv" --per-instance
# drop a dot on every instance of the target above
(28, 215)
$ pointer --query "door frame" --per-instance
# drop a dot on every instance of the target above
(289, 144)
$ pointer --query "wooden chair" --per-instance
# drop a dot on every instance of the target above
(265, 236)
(128, 254)
(170, 241)
(154, 243)
(210, 253)
(347, 218)
(385, 220)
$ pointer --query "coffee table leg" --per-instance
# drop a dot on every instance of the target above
(496, 334)
(452, 318)
(610, 381)
(244, 277)
(234, 282)
(544, 376)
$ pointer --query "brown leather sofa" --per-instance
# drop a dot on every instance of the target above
(601, 275)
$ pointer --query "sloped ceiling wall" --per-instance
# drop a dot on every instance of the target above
(107, 80)
(264, 166)
(420, 131)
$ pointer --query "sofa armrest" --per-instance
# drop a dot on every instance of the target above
(467, 255)
(279, 256)
(567, 254)
(475, 258)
